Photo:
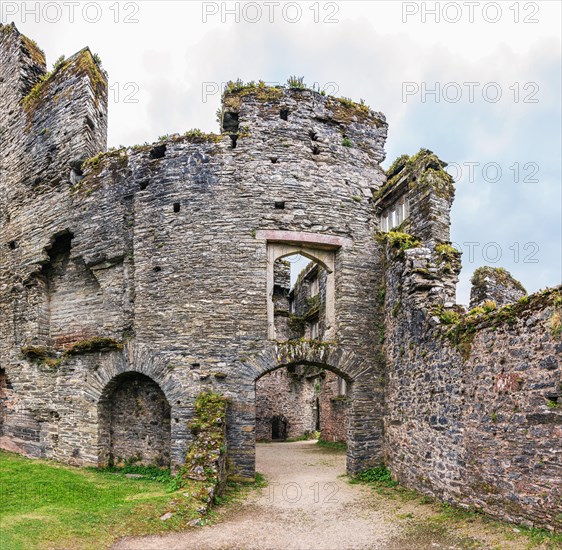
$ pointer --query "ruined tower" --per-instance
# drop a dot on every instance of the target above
(131, 280)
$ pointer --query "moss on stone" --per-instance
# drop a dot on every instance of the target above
(400, 241)
(235, 90)
(346, 111)
(197, 136)
(94, 344)
(35, 52)
(424, 169)
(446, 252)
(498, 274)
(82, 64)
(445, 316)
(466, 326)
(41, 355)
(208, 447)
(397, 166)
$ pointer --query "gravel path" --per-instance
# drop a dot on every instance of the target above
(305, 506)
(309, 504)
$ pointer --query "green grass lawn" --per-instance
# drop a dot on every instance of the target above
(44, 504)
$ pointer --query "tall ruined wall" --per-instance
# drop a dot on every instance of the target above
(146, 259)
(290, 396)
(472, 399)
(334, 405)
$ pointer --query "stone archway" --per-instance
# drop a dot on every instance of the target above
(364, 429)
(134, 422)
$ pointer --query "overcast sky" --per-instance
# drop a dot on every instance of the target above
(496, 68)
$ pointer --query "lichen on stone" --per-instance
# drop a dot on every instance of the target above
(82, 64)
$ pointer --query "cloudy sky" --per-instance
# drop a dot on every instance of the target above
(479, 83)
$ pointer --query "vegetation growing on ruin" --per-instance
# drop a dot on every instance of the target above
(207, 450)
(445, 316)
(498, 275)
(198, 136)
(50, 357)
(397, 166)
(424, 169)
(31, 47)
(234, 90)
(488, 315)
(447, 252)
(296, 83)
(41, 355)
(555, 322)
(400, 241)
(115, 159)
(94, 344)
(346, 111)
(448, 257)
(82, 64)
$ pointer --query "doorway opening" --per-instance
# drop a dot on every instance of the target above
(302, 402)
(299, 298)
(135, 422)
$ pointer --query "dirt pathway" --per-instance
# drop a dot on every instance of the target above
(308, 504)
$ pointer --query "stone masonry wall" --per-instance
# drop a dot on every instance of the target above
(153, 260)
(494, 284)
(473, 412)
(290, 395)
(333, 410)
(164, 261)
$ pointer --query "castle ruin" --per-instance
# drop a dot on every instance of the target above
(133, 279)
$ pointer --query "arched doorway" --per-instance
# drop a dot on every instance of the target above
(302, 401)
(134, 422)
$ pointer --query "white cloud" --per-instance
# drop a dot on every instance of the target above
(369, 54)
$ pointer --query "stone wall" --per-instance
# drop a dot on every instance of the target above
(156, 260)
(334, 404)
(135, 422)
(166, 258)
(472, 400)
(494, 284)
(306, 399)
(289, 396)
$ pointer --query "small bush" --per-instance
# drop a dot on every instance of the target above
(489, 305)
(296, 83)
(58, 63)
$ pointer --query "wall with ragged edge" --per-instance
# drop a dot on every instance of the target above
(163, 238)
(472, 398)
(164, 260)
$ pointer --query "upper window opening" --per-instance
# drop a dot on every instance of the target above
(395, 214)
(158, 152)
(299, 296)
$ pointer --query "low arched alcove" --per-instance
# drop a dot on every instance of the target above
(134, 421)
